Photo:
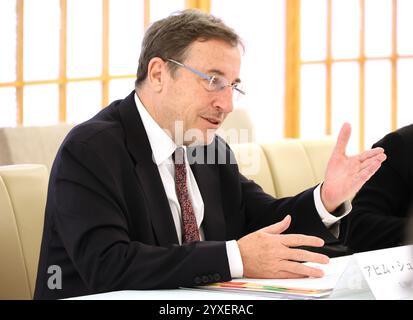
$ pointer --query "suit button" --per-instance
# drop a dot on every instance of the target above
(204, 279)
(217, 277)
(197, 280)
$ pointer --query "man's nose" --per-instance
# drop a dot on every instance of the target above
(225, 101)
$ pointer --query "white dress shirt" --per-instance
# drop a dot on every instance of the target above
(163, 147)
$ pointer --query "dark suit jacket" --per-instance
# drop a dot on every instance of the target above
(108, 224)
(380, 209)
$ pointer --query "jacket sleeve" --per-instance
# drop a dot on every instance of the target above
(378, 218)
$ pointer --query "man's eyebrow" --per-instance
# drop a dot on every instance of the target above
(220, 73)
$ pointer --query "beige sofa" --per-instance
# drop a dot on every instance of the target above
(285, 167)
(23, 191)
(282, 168)
(31, 144)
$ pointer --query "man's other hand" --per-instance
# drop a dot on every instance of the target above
(346, 175)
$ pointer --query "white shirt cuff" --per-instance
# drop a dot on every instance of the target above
(234, 259)
(326, 217)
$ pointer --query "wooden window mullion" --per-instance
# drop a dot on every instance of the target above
(146, 13)
(105, 53)
(394, 60)
(329, 69)
(63, 62)
(204, 5)
(292, 70)
(19, 60)
(362, 77)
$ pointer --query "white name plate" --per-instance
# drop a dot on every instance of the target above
(388, 272)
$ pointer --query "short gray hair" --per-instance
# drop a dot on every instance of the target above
(170, 38)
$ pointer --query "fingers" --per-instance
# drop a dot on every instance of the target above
(267, 255)
(287, 275)
(300, 269)
(304, 256)
(366, 173)
(278, 227)
(371, 162)
(343, 138)
(372, 153)
(297, 240)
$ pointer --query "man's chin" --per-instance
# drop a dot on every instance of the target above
(203, 138)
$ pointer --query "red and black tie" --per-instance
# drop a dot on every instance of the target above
(189, 227)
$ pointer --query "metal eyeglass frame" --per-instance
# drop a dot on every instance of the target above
(210, 78)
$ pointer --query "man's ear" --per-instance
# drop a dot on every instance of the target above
(156, 73)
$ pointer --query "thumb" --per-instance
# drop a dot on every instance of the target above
(343, 138)
(278, 227)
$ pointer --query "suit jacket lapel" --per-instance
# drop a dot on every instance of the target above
(207, 177)
(139, 147)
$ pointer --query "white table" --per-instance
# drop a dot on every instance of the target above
(195, 294)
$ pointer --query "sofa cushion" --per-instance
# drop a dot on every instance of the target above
(318, 153)
(297, 164)
(31, 144)
(13, 279)
(23, 190)
(237, 127)
(290, 167)
(253, 164)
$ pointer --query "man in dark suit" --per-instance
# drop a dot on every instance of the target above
(381, 207)
(145, 196)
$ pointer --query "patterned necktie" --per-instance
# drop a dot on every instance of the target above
(189, 227)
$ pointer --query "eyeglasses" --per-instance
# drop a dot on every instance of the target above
(215, 83)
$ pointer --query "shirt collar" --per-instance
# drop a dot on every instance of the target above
(161, 143)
